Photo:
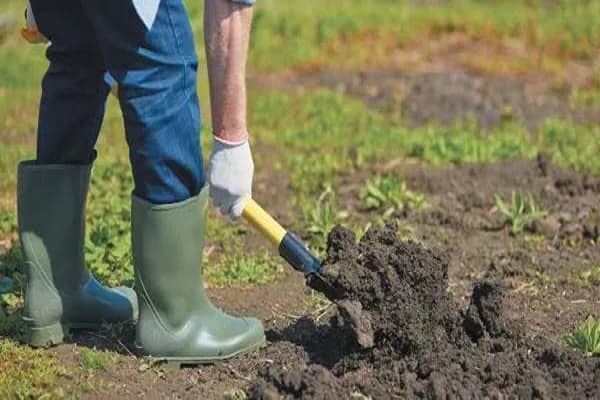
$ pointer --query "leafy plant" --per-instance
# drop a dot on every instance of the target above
(586, 337)
(522, 211)
(108, 245)
(8, 222)
(390, 192)
(322, 217)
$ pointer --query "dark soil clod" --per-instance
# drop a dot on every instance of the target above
(484, 313)
(412, 341)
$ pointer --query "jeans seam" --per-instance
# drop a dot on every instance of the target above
(177, 44)
(185, 64)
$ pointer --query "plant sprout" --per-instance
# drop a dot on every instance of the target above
(522, 211)
(586, 337)
(390, 192)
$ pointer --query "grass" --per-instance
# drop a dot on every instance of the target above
(96, 360)
(351, 33)
(29, 374)
(326, 133)
(241, 269)
(586, 337)
(522, 211)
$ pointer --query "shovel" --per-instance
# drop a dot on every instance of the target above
(291, 249)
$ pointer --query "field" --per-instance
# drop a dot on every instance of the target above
(471, 128)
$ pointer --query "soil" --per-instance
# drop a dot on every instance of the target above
(410, 340)
(447, 97)
(454, 330)
(465, 309)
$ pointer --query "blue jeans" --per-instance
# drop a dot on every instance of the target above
(154, 62)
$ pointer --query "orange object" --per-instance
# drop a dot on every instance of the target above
(32, 35)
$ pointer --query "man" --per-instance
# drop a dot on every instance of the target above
(147, 46)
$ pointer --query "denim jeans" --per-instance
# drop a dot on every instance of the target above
(151, 55)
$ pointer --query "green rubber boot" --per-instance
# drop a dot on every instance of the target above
(178, 323)
(61, 294)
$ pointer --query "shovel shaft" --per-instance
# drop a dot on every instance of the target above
(260, 220)
(289, 246)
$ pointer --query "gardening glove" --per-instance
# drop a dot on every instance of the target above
(31, 32)
(231, 169)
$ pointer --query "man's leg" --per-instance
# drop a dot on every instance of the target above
(60, 293)
(150, 53)
(73, 90)
(154, 62)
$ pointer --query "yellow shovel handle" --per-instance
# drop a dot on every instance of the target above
(256, 216)
(289, 246)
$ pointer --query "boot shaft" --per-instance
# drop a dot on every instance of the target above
(167, 242)
(51, 202)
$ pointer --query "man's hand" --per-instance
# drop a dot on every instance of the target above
(231, 169)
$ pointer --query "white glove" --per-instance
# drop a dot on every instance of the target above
(230, 174)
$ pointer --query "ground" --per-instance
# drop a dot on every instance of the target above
(419, 113)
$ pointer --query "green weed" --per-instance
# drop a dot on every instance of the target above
(389, 192)
(94, 359)
(108, 244)
(586, 337)
(314, 174)
(322, 217)
(8, 223)
(534, 242)
(521, 212)
(571, 145)
(591, 276)
(243, 269)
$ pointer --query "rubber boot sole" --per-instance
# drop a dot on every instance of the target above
(55, 334)
(178, 362)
